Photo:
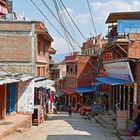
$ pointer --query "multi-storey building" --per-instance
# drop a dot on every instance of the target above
(95, 47)
(25, 47)
(58, 74)
(79, 78)
(58, 71)
(122, 60)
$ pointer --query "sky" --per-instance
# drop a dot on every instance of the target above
(79, 11)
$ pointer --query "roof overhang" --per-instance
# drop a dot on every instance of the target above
(113, 17)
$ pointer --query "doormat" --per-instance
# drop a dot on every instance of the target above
(5, 123)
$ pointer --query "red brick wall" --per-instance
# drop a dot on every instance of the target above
(2, 101)
(15, 48)
(18, 47)
(15, 26)
(85, 72)
(134, 50)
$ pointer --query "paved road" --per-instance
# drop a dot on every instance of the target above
(64, 127)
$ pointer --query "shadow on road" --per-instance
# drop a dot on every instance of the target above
(84, 129)
(70, 137)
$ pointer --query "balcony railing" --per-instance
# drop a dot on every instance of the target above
(117, 37)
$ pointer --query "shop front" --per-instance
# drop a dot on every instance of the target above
(85, 92)
(42, 99)
(122, 90)
(68, 97)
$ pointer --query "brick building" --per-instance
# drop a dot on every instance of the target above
(58, 74)
(121, 61)
(79, 76)
(95, 47)
(25, 47)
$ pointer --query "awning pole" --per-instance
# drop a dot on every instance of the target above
(135, 98)
(124, 97)
(120, 94)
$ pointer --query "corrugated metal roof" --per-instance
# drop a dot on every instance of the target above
(6, 79)
(41, 82)
(26, 77)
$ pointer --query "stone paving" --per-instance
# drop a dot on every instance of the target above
(64, 127)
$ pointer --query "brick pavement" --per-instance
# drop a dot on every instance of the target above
(63, 127)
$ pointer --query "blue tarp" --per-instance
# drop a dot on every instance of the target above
(112, 81)
(85, 89)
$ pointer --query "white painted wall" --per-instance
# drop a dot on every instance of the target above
(62, 71)
(26, 96)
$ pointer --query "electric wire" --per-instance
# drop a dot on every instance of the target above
(9, 66)
(70, 39)
(58, 20)
(72, 20)
(63, 21)
(64, 17)
(92, 18)
(46, 18)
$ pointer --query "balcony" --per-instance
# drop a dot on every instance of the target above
(123, 36)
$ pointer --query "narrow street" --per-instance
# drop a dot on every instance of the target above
(64, 127)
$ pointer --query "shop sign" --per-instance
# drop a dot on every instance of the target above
(122, 116)
(119, 70)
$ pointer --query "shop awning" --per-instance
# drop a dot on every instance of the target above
(43, 82)
(85, 89)
(112, 81)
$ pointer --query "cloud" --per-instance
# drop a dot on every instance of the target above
(100, 10)
(60, 45)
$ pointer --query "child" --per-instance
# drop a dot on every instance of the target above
(136, 126)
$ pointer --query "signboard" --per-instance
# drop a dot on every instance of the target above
(128, 26)
(98, 108)
(119, 70)
(122, 117)
(26, 96)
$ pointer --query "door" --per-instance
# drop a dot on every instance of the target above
(8, 99)
(11, 98)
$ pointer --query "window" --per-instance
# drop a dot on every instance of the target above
(44, 74)
(38, 48)
(75, 70)
(38, 71)
(44, 49)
